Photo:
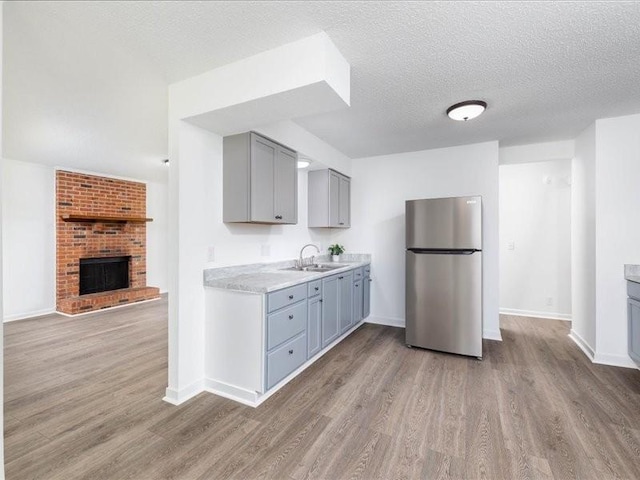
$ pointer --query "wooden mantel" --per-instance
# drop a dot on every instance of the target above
(105, 219)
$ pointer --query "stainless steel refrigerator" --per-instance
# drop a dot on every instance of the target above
(444, 274)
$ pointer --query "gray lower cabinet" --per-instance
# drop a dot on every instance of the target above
(358, 299)
(633, 314)
(345, 300)
(285, 359)
(329, 199)
(260, 180)
(366, 296)
(330, 310)
(314, 325)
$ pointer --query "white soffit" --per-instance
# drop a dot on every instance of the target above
(305, 77)
(537, 152)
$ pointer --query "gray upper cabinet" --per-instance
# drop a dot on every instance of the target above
(329, 199)
(260, 180)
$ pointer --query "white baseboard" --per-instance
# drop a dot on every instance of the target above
(28, 315)
(535, 314)
(176, 397)
(400, 322)
(614, 360)
(240, 395)
(492, 335)
(388, 321)
(582, 344)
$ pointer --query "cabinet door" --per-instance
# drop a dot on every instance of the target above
(346, 301)
(358, 295)
(314, 324)
(634, 328)
(330, 310)
(263, 164)
(366, 297)
(285, 187)
(334, 199)
(345, 202)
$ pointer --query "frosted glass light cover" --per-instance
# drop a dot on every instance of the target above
(466, 110)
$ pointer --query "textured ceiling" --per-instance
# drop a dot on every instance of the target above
(94, 73)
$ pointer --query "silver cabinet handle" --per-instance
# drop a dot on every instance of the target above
(290, 297)
(291, 352)
(290, 317)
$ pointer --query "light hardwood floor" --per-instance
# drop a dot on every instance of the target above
(83, 400)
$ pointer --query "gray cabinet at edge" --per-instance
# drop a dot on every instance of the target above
(260, 180)
(330, 310)
(366, 292)
(633, 313)
(329, 199)
(314, 325)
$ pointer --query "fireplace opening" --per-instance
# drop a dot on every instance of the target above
(103, 274)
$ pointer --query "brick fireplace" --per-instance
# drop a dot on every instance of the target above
(99, 220)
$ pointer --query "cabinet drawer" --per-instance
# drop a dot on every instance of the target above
(367, 271)
(633, 289)
(285, 324)
(285, 359)
(315, 288)
(285, 297)
(357, 274)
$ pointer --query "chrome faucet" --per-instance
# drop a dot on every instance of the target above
(302, 250)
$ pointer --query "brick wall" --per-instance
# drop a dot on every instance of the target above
(83, 194)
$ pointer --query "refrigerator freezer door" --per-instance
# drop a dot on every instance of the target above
(446, 223)
(444, 302)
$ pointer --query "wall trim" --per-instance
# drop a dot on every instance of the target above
(536, 314)
(582, 344)
(176, 397)
(492, 335)
(29, 315)
(388, 321)
(237, 394)
(400, 323)
(98, 174)
(614, 360)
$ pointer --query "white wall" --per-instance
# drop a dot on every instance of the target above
(380, 187)
(157, 248)
(29, 248)
(583, 246)
(617, 174)
(28, 196)
(535, 239)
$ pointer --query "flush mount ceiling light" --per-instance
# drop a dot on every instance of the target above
(464, 111)
(303, 163)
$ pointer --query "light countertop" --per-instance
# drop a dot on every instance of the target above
(632, 273)
(268, 277)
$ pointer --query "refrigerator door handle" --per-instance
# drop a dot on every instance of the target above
(428, 251)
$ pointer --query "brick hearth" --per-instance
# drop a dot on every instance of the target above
(89, 195)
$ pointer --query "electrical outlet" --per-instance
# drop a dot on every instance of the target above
(549, 301)
(211, 254)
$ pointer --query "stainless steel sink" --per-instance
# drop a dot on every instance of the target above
(313, 268)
